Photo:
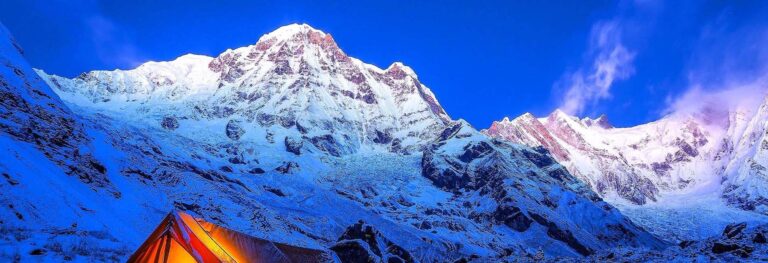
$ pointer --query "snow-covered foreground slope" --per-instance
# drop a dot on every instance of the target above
(738, 242)
(56, 190)
(288, 140)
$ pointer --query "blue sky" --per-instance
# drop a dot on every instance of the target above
(631, 60)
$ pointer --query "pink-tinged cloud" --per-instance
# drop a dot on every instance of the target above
(730, 74)
(714, 106)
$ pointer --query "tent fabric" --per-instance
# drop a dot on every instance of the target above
(183, 238)
(245, 248)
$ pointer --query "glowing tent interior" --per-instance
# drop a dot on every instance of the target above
(183, 238)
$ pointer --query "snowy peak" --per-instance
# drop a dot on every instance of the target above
(299, 32)
(525, 119)
(558, 114)
(614, 165)
(399, 71)
(527, 130)
(187, 61)
(601, 122)
(560, 118)
(286, 37)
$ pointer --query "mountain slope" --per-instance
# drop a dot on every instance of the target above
(528, 192)
(52, 176)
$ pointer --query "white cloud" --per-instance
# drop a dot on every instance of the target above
(610, 61)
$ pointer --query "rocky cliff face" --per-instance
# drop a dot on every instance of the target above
(745, 153)
(527, 191)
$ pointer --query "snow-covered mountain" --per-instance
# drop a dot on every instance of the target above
(714, 151)
(289, 140)
(293, 82)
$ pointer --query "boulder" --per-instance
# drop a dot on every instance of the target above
(362, 243)
(293, 145)
(287, 167)
(169, 123)
(733, 230)
(512, 217)
(234, 130)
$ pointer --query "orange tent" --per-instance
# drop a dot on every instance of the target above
(183, 238)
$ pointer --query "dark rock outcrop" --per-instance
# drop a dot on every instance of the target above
(513, 217)
(287, 167)
(564, 235)
(293, 145)
(362, 243)
(382, 137)
(354, 251)
(234, 130)
(719, 248)
(733, 230)
(169, 123)
(328, 143)
(256, 170)
(759, 238)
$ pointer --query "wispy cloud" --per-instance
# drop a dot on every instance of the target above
(608, 61)
(112, 44)
(97, 32)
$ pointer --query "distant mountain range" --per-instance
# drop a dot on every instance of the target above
(718, 151)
